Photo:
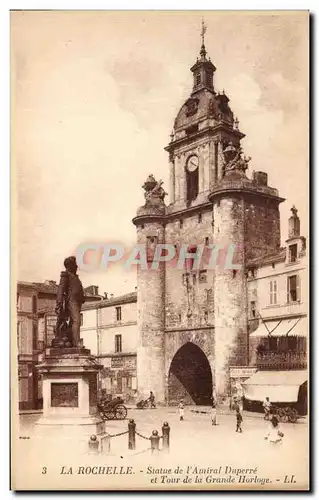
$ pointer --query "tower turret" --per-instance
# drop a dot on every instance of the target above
(149, 223)
(246, 217)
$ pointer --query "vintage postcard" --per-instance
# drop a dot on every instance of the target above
(160, 336)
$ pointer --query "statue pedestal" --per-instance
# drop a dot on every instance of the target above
(69, 396)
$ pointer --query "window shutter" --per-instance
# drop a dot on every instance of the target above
(298, 287)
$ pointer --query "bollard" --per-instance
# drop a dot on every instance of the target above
(105, 444)
(155, 442)
(93, 444)
(131, 434)
(165, 431)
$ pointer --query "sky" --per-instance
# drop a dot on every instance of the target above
(94, 95)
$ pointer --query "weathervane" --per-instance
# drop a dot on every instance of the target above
(203, 31)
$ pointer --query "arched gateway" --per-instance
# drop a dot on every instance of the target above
(190, 376)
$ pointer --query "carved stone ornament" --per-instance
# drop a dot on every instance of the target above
(153, 191)
(234, 160)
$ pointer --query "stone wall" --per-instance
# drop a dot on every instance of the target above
(262, 226)
(150, 319)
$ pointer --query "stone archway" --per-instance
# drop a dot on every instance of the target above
(190, 376)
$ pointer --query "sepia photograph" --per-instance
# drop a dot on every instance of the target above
(159, 250)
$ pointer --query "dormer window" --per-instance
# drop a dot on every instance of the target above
(192, 106)
(293, 253)
(197, 79)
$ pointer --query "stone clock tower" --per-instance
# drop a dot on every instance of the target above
(192, 322)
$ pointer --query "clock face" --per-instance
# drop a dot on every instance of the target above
(192, 163)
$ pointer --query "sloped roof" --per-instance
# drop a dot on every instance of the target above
(268, 258)
(121, 299)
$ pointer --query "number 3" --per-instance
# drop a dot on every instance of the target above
(44, 470)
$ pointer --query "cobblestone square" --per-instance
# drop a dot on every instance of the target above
(194, 443)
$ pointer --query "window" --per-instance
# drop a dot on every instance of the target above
(34, 304)
(18, 335)
(194, 279)
(81, 319)
(272, 293)
(206, 241)
(34, 335)
(293, 289)
(199, 218)
(253, 312)
(198, 79)
(210, 80)
(181, 223)
(189, 262)
(118, 313)
(118, 343)
(293, 253)
(119, 384)
(151, 242)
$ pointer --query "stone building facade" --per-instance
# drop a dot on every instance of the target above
(277, 287)
(109, 330)
(192, 322)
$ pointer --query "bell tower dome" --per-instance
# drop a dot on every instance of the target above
(203, 128)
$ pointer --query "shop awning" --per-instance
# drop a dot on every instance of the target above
(279, 386)
(293, 326)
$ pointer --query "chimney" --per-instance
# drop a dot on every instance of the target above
(294, 224)
(105, 295)
(112, 295)
(92, 290)
(261, 178)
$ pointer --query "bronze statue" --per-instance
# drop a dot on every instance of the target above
(70, 298)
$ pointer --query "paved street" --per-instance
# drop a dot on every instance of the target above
(193, 441)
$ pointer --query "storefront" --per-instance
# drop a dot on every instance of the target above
(283, 388)
(238, 375)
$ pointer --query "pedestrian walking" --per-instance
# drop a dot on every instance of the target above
(181, 410)
(239, 419)
(152, 400)
(214, 414)
(267, 407)
(274, 435)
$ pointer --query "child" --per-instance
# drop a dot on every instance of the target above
(267, 407)
(274, 435)
(214, 414)
(239, 419)
(181, 410)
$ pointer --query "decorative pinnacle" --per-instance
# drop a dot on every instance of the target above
(203, 31)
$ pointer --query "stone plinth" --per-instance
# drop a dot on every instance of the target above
(69, 395)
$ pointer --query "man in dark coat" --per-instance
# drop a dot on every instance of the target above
(70, 298)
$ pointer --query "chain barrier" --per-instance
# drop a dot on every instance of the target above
(119, 434)
(141, 435)
(104, 443)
